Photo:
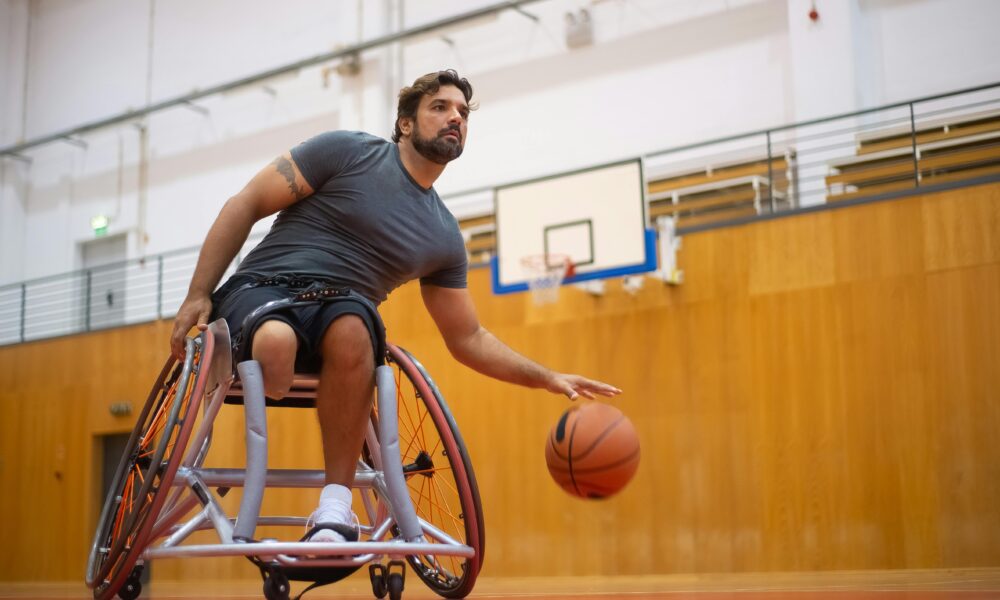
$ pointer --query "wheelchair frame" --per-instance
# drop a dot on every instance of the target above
(395, 531)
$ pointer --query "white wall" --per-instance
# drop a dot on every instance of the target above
(660, 74)
(88, 60)
(653, 80)
(13, 44)
(13, 173)
(927, 47)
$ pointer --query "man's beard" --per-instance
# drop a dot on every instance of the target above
(437, 149)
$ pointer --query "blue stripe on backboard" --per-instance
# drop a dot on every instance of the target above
(649, 265)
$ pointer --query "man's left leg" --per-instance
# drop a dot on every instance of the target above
(343, 405)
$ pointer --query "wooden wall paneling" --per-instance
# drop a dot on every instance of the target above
(960, 227)
(714, 362)
(714, 266)
(740, 464)
(878, 240)
(884, 327)
(12, 403)
(796, 424)
(786, 254)
(964, 308)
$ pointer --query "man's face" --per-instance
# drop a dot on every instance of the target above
(442, 122)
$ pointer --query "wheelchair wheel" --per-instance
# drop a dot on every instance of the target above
(146, 471)
(439, 475)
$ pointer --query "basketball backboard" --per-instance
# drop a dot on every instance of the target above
(596, 217)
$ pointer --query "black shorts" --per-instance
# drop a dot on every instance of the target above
(243, 294)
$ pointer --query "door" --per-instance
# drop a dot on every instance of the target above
(103, 282)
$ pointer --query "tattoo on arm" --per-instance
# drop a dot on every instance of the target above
(284, 166)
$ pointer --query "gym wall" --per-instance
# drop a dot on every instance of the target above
(819, 394)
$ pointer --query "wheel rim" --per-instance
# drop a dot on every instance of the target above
(438, 476)
(146, 473)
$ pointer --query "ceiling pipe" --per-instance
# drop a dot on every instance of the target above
(264, 75)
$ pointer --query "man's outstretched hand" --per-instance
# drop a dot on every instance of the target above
(194, 311)
(574, 386)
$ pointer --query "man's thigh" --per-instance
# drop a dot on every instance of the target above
(236, 306)
(356, 325)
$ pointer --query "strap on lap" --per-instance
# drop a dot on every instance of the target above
(310, 296)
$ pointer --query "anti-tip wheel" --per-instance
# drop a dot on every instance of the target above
(131, 589)
(276, 587)
(394, 582)
(377, 574)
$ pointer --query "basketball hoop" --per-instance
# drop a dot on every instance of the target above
(545, 273)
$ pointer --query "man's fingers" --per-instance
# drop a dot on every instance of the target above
(574, 386)
(604, 389)
(599, 387)
(175, 345)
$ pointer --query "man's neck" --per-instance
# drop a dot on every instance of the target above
(423, 171)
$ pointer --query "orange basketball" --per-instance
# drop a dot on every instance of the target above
(593, 451)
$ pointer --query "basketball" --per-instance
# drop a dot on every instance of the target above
(592, 451)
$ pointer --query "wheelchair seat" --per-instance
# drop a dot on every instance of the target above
(302, 393)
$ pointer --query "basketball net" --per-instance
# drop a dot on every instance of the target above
(545, 273)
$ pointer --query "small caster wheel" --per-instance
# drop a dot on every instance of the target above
(395, 584)
(131, 589)
(276, 587)
(379, 586)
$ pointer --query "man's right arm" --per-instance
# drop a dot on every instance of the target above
(277, 186)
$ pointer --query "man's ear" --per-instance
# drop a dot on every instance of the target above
(405, 126)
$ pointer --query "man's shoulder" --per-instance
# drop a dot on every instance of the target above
(332, 151)
(348, 137)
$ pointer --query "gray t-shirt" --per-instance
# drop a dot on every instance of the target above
(368, 224)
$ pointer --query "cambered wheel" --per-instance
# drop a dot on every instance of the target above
(146, 471)
(440, 478)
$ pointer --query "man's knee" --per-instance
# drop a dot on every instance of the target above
(274, 347)
(347, 345)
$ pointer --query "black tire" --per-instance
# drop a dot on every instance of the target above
(131, 589)
(439, 474)
(376, 573)
(276, 587)
(394, 583)
(146, 471)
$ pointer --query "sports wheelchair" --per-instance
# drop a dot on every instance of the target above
(420, 500)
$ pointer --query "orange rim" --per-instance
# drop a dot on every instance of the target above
(140, 496)
(440, 496)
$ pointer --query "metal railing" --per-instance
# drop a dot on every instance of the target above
(944, 138)
(860, 156)
(111, 295)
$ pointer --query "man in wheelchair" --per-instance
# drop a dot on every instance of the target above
(357, 217)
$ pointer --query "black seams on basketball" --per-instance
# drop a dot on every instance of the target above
(592, 451)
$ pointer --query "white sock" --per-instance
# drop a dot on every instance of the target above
(336, 498)
(334, 507)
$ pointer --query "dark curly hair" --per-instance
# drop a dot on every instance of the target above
(409, 97)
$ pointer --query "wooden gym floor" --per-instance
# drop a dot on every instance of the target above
(958, 584)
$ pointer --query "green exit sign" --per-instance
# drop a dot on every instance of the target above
(100, 225)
